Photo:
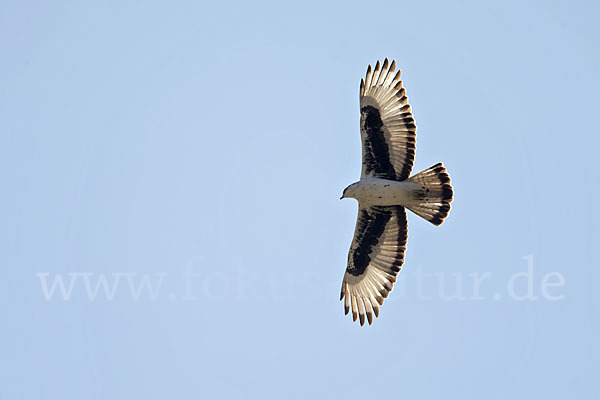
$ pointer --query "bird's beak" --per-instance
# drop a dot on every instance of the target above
(342, 197)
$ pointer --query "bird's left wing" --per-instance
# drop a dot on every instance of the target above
(375, 258)
(387, 127)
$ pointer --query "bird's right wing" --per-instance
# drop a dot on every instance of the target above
(375, 258)
(387, 127)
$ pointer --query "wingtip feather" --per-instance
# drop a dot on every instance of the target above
(368, 77)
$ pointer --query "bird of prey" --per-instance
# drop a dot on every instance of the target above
(385, 190)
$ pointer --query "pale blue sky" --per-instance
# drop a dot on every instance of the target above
(204, 147)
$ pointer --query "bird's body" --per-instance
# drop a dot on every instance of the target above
(372, 191)
(385, 190)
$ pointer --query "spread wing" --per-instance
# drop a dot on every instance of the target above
(387, 127)
(375, 258)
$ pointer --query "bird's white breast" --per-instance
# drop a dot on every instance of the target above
(371, 191)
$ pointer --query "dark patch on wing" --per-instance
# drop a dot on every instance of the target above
(370, 227)
(403, 234)
(376, 151)
(407, 167)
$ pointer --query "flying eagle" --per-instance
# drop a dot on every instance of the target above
(385, 190)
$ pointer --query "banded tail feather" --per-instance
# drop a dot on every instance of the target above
(435, 195)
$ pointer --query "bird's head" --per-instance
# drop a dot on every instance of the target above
(349, 192)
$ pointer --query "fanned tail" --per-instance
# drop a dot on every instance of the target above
(435, 195)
